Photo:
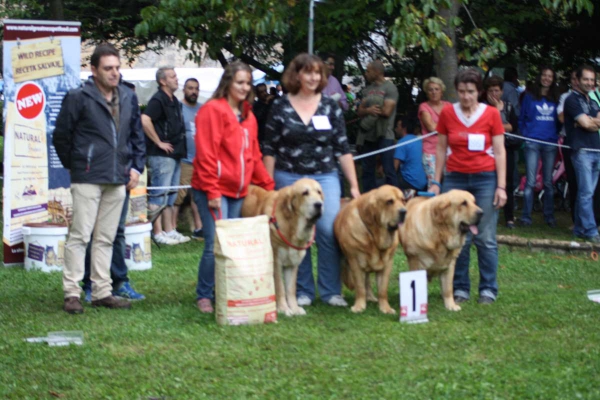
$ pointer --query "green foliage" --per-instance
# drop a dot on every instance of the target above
(101, 20)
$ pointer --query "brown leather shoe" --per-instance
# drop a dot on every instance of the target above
(111, 302)
(73, 305)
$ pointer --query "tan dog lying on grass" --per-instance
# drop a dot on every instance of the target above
(434, 233)
(294, 211)
(367, 232)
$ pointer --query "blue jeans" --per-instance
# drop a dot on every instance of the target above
(230, 208)
(533, 152)
(587, 169)
(483, 186)
(369, 164)
(328, 257)
(164, 171)
(118, 268)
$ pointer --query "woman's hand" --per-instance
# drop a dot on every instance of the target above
(500, 198)
(354, 192)
(215, 203)
(435, 189)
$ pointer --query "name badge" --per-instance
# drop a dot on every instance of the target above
(321, 122)
(476, 142)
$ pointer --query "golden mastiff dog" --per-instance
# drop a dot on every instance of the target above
(367, 232)
(434, 233)
(294, 211)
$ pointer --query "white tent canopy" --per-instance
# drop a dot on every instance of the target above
(144, 80)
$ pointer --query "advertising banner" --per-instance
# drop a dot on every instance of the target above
(42, 62)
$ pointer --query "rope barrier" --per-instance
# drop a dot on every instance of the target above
(375, 152)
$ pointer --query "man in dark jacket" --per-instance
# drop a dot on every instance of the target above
(96, 140)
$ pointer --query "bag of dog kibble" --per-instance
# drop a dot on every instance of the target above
(244, 285)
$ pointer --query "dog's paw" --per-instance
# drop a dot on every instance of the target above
(299, 311)
(453, 307)
(358, 308)
(387, 310)
(285, 310)
(371, 298)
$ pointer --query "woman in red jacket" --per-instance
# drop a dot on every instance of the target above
(227, 160)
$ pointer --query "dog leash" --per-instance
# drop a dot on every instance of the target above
(273, 221)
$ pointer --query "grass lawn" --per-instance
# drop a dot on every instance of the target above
(539, 341)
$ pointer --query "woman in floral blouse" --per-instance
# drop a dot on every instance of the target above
(306, 137)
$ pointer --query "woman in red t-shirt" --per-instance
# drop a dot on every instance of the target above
(471, 149)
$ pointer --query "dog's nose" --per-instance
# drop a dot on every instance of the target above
(402, 214)
(318, 206)
(479, 214)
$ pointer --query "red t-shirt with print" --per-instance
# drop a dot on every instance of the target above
(470, 139)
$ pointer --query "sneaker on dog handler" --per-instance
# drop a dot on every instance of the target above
(111, 302)
(337, 301)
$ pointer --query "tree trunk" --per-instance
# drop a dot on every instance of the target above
(445, 58)
(57, 12)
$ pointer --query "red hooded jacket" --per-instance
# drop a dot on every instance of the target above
(228, 157)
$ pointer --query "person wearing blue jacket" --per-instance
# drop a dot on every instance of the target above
(539, 120)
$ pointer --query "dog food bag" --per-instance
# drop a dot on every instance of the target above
(244, 285)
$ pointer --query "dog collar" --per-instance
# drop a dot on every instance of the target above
(273, 221)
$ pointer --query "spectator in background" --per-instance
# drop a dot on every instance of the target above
(189, 108)
(429, 114)
(476, 163)
(582, 122)
(279, 90)
(228, 159)
(333, 88)
(261, 108)
(493, 95)
(163, 125)
(350, 97)
(571, 178)
(539, 120)
(273, 92)
(377, 112)
(407, 158)
(510, 88)
(306, 137)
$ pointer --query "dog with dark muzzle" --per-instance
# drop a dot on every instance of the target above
(434, 233)
(367, 232)
(293, 211)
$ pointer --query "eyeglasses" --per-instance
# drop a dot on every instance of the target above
(329, 63)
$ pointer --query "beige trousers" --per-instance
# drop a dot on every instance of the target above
(97, 209)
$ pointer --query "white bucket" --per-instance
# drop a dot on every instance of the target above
(44, 247)
(138, 247)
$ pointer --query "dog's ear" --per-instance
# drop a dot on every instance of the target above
(285, 198)
(439, 211)
(367, 208)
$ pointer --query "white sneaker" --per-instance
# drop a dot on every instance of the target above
(304, 301)
(337, 301)
(178, 236)
(162, 238)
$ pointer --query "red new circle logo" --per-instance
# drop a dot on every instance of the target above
(30, 100)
